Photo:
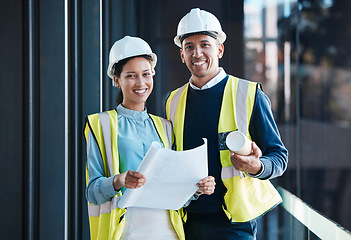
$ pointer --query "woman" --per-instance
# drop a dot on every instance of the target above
(117, 141)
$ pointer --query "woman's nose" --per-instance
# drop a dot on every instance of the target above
(139, 80)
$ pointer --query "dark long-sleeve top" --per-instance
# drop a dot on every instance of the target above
(201, 121)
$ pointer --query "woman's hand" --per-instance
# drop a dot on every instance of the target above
(206, 185)
(129, 179)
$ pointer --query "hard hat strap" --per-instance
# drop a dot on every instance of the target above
(211, 34)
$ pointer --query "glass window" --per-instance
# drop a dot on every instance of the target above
(301, 54)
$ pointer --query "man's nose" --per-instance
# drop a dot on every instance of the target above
(197, 52)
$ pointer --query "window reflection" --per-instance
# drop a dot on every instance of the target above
(315, 56)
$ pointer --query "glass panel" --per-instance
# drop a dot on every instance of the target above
(307, 45)
(325, 71)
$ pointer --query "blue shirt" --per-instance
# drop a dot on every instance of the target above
(136, 132)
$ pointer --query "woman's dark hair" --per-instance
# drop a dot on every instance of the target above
(118, 68)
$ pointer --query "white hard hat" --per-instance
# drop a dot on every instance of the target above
(197, 21)
(129, 47)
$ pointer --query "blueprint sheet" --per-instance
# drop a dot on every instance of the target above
(171, 178)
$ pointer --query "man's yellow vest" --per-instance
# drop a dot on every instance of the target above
(247, 198)
(106, 220)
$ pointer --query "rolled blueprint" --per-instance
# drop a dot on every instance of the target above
(238, 143)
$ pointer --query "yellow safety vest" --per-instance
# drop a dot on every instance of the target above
(106, 220)
(247, 198)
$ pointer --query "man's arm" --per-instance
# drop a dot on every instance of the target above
(265, 134)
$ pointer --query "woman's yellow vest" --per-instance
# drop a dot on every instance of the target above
(106, 220)
(247, 198)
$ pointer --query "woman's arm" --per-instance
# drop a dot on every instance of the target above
(99, 189)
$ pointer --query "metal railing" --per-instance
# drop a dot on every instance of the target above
(321, 226)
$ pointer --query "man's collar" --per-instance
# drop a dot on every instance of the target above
(221, 75)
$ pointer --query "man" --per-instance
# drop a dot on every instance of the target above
(212, 105)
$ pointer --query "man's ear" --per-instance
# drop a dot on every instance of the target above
(181, 55)
(220, 50)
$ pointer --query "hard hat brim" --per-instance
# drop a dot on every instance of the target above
(221, 37)
(153, 64)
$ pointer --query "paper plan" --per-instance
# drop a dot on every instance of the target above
(171, 178)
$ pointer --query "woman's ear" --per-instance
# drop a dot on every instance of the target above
(116, 81)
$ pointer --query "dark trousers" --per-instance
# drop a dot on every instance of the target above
(216, 226)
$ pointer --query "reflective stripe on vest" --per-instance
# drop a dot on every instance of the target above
(240, 106)
(97, 210)
(106, 130)
(174, 102)
(106, 220)
(246, 198)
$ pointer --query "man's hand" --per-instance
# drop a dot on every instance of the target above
(251, 163)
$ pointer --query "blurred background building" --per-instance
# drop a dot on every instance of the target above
(54, 56)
